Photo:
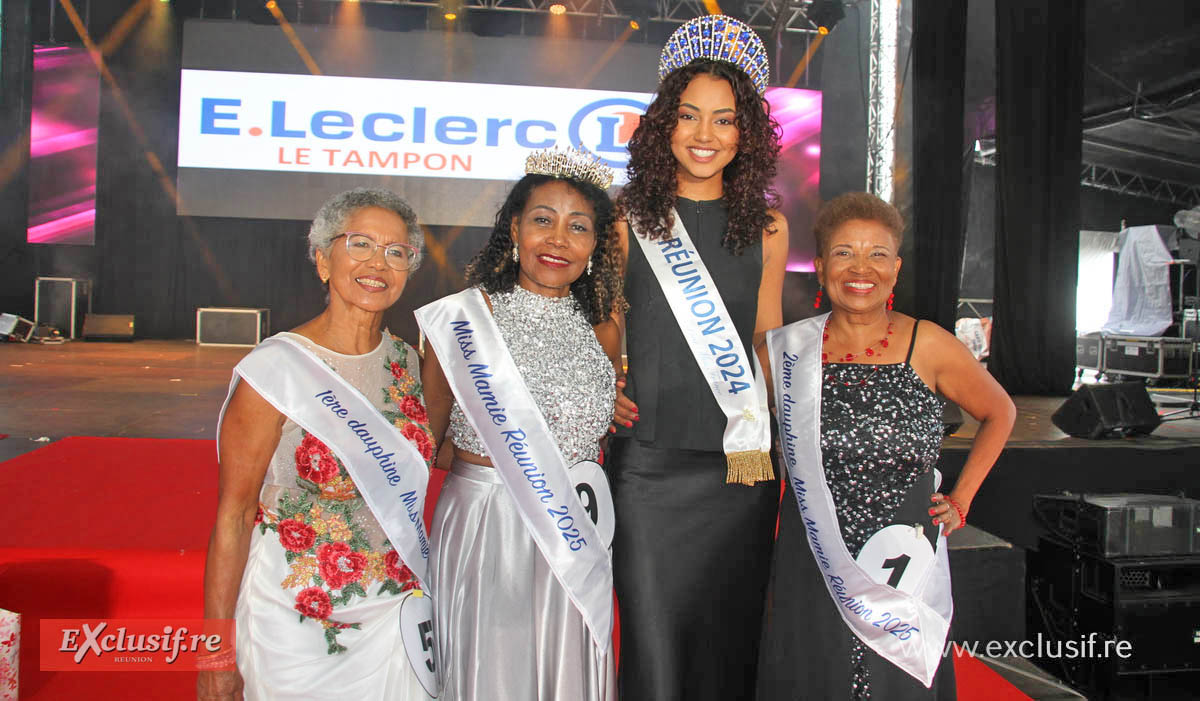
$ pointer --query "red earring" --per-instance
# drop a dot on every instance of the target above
(891, 300)
(817, 301)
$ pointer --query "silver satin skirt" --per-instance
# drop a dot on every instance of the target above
(506, 629)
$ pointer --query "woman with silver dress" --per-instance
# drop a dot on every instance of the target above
(507, 627)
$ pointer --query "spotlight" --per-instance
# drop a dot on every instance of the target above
(271, 5)
(635, 25)
(825, 14)
(451, 9)
(558, 9)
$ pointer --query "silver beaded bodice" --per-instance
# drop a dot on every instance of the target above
(571, 379)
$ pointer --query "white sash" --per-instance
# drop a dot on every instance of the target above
(493, 396)
(714, 342)
(389, 471)
(906, 623)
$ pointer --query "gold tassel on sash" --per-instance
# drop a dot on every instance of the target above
(749, 466)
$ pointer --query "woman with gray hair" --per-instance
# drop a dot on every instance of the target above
(325, 450)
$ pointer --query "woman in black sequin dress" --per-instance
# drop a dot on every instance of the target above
(880, 438)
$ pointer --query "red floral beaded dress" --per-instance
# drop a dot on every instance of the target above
(318, 609)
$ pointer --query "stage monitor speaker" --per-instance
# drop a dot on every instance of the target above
(16, 328)
(62, 302)
(108, 327)
(1097, 411)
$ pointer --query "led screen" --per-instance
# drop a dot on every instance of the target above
(62, 146)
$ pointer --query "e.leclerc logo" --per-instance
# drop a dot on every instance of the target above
(605, 126)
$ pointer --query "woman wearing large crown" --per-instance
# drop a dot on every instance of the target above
(514, 371)
(704, 256)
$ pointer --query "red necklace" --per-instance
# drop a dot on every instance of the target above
(849, 357)
(869, 352)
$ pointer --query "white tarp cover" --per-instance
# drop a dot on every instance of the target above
(1141, 304)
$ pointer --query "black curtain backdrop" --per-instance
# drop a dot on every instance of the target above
(939, 48)
(1039, 94)
(16, 68)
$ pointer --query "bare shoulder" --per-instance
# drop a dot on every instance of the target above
(775, 238)
(936, 347)
(779, 225)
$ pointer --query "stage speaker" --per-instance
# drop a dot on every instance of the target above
(62, 302)
(16, 328)
(108, 327)
(232, 326)
(1097, 411)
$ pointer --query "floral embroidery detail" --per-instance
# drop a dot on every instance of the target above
(413, 409)
(303, 569)
(340, 565)
(315, 461)
(331, 524)
(399, 571)
(419, 436)
(296, 536)
(405, 395)
(329, 554)
(313, 602)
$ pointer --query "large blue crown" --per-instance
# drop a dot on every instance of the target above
(718, 38)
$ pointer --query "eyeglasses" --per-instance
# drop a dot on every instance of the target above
(398, 256)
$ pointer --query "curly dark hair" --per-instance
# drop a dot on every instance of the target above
(598, 294)
(647, 200)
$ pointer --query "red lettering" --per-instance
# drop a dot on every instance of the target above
(282, 159)
(353, 159)
(302, 156)
(411, 158)
(429, 161)
(331, 152)
(377, 161)
(457, 163)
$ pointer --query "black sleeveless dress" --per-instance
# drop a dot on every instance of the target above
(880, 442)
(691, 553)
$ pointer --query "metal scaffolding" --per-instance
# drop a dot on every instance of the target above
(881, 100)
(1182, 194)
(759, 15)
(1108, 178)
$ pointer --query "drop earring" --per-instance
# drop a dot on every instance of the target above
(817, 300)
(589, 267)
(891, 300)
(516, 256)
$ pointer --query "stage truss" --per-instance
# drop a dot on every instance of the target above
(1107, 178)
(759, 15)
(881, 99)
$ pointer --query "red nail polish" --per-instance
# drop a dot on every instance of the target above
(628, 424)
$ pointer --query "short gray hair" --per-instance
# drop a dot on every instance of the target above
(332, 216)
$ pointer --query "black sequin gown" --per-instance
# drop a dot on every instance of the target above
(880, 442)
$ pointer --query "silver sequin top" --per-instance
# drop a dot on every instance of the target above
(571, 379)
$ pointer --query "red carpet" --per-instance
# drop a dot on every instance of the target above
(978, 682)
(118, 527)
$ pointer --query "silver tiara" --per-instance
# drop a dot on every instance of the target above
(576, 164)
(718, 38)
